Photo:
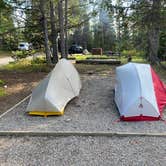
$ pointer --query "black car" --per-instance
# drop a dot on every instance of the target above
(75, 49)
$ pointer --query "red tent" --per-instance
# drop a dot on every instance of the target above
(139, 92)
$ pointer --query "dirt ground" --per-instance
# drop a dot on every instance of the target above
(19, 85)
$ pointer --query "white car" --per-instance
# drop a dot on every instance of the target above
(24, 46)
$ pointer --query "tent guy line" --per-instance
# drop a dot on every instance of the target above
(79, 134)
(16, 105)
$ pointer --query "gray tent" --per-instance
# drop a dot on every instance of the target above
(55, 91)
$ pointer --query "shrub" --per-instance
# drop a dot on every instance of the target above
(38, 60)
(26, 65)
(21, 54)
(2, 92)
(2, 83)
(134, 52)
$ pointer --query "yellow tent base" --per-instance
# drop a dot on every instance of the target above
(45, 114)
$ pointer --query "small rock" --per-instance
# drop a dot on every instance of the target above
(68, 120)
(5, 86)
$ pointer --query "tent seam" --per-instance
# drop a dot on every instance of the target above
(140, 89)
(69, 82)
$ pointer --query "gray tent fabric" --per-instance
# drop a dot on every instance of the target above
(55, 91)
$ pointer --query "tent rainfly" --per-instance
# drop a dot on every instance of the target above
(139, 93)
(55, 91)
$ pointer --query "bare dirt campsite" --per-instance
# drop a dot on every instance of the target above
(19, 85)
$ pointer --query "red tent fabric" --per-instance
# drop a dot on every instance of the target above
(160, 91)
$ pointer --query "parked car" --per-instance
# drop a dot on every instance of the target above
(24, 46)
(75, 49)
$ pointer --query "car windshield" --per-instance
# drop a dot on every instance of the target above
(22, 45)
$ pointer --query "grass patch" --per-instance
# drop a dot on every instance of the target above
(132, 53)
(26, 65)
(135, 59)
(2, 83)
(39, 65)
(2, 92)
(102, 57)
(84, 57)
(80, 57)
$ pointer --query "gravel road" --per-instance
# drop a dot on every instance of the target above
(82, 151)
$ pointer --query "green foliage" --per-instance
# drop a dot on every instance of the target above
(6, 25)
(83, 57)
(2, 83)
(104, 36)
(138, 24)
(21, 54)
(2, 90)
(162, 48)
(5, 16)
(138, 56)
(26, 65)
(99, 57)
(33, 29)
(80, 57)
(38, 60)
(133, 53)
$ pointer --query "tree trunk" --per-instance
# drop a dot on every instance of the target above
(153, 32)
(85, 35)
(53, 33)
(66, 28)
(45, 31)
(153, 45)
(61, 25)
